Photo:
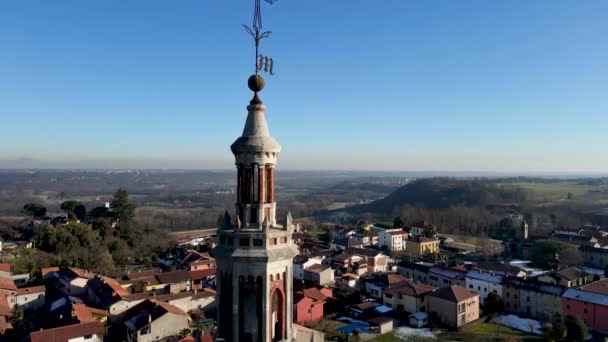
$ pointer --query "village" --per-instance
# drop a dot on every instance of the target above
(369, 281)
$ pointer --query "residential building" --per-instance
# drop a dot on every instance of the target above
(484, 283)
(319, 274)
(418, 247)
(92, 331)
(367, 237)
(377, 283)
(73, 281)
(341, 232)
(153, 321)
(30, 298)
(392, 239)
(568, 277)
(82, 313)
(350, 263)
(592, 307)
(174, 282)
(342, 244)
(500, 269)
(454, 306)
(199, 278)
(418, 228)
(8, 292)
(103, 292)
(309, 305)
(409, 297)
(440, 276)
(300, 263)
(532, 298)
(189, 301)
(376, 260)
(594, 257)
(415, 270)
(349, 279)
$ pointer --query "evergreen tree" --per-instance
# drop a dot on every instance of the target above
(577, 330)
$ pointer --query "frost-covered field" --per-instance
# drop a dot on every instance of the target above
(407, 332)
(523, 324)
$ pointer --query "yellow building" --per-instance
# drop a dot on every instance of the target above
(419, 246)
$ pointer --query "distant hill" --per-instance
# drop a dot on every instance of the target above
(441, 193)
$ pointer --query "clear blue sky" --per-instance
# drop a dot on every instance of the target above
(373, 85)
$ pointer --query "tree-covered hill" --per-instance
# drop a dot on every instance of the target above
(442, 193)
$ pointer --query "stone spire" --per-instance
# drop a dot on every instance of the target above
(256, 153)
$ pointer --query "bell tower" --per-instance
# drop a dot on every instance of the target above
(254, 254)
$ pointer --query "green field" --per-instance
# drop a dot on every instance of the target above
(339, 205)
(557, 189)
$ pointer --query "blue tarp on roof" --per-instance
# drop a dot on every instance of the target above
(383, 309)
(349, 328)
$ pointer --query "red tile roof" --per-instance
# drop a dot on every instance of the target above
(314, 293)
(172, 309)
(205, 293)
(32, 289)
(4, 267)
(397, 232)
(79, 272)
(5, 310)
(317, 268)
(63, 334)
(599, 287)
(7, 284)
(201, 274)
(454, 293)
(48, 270)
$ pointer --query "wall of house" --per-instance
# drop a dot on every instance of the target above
(511, 298)
(443, 310)
(402, 302)
(538, 305)
(30, 301)
(451, 314)
(93, 338)
(377, 264)
(594, 315)
(167, 325)
(483, 287)
(413, 274)
(179, 287)
(597, 258)
(443, 281)
(307, 312)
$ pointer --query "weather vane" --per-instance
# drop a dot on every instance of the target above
(264, 63)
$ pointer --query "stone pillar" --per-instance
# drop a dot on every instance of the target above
(261, 184)
(235, 305)
(265, 308)
(270, 183)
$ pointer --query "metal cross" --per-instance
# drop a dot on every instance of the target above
(257, 34)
